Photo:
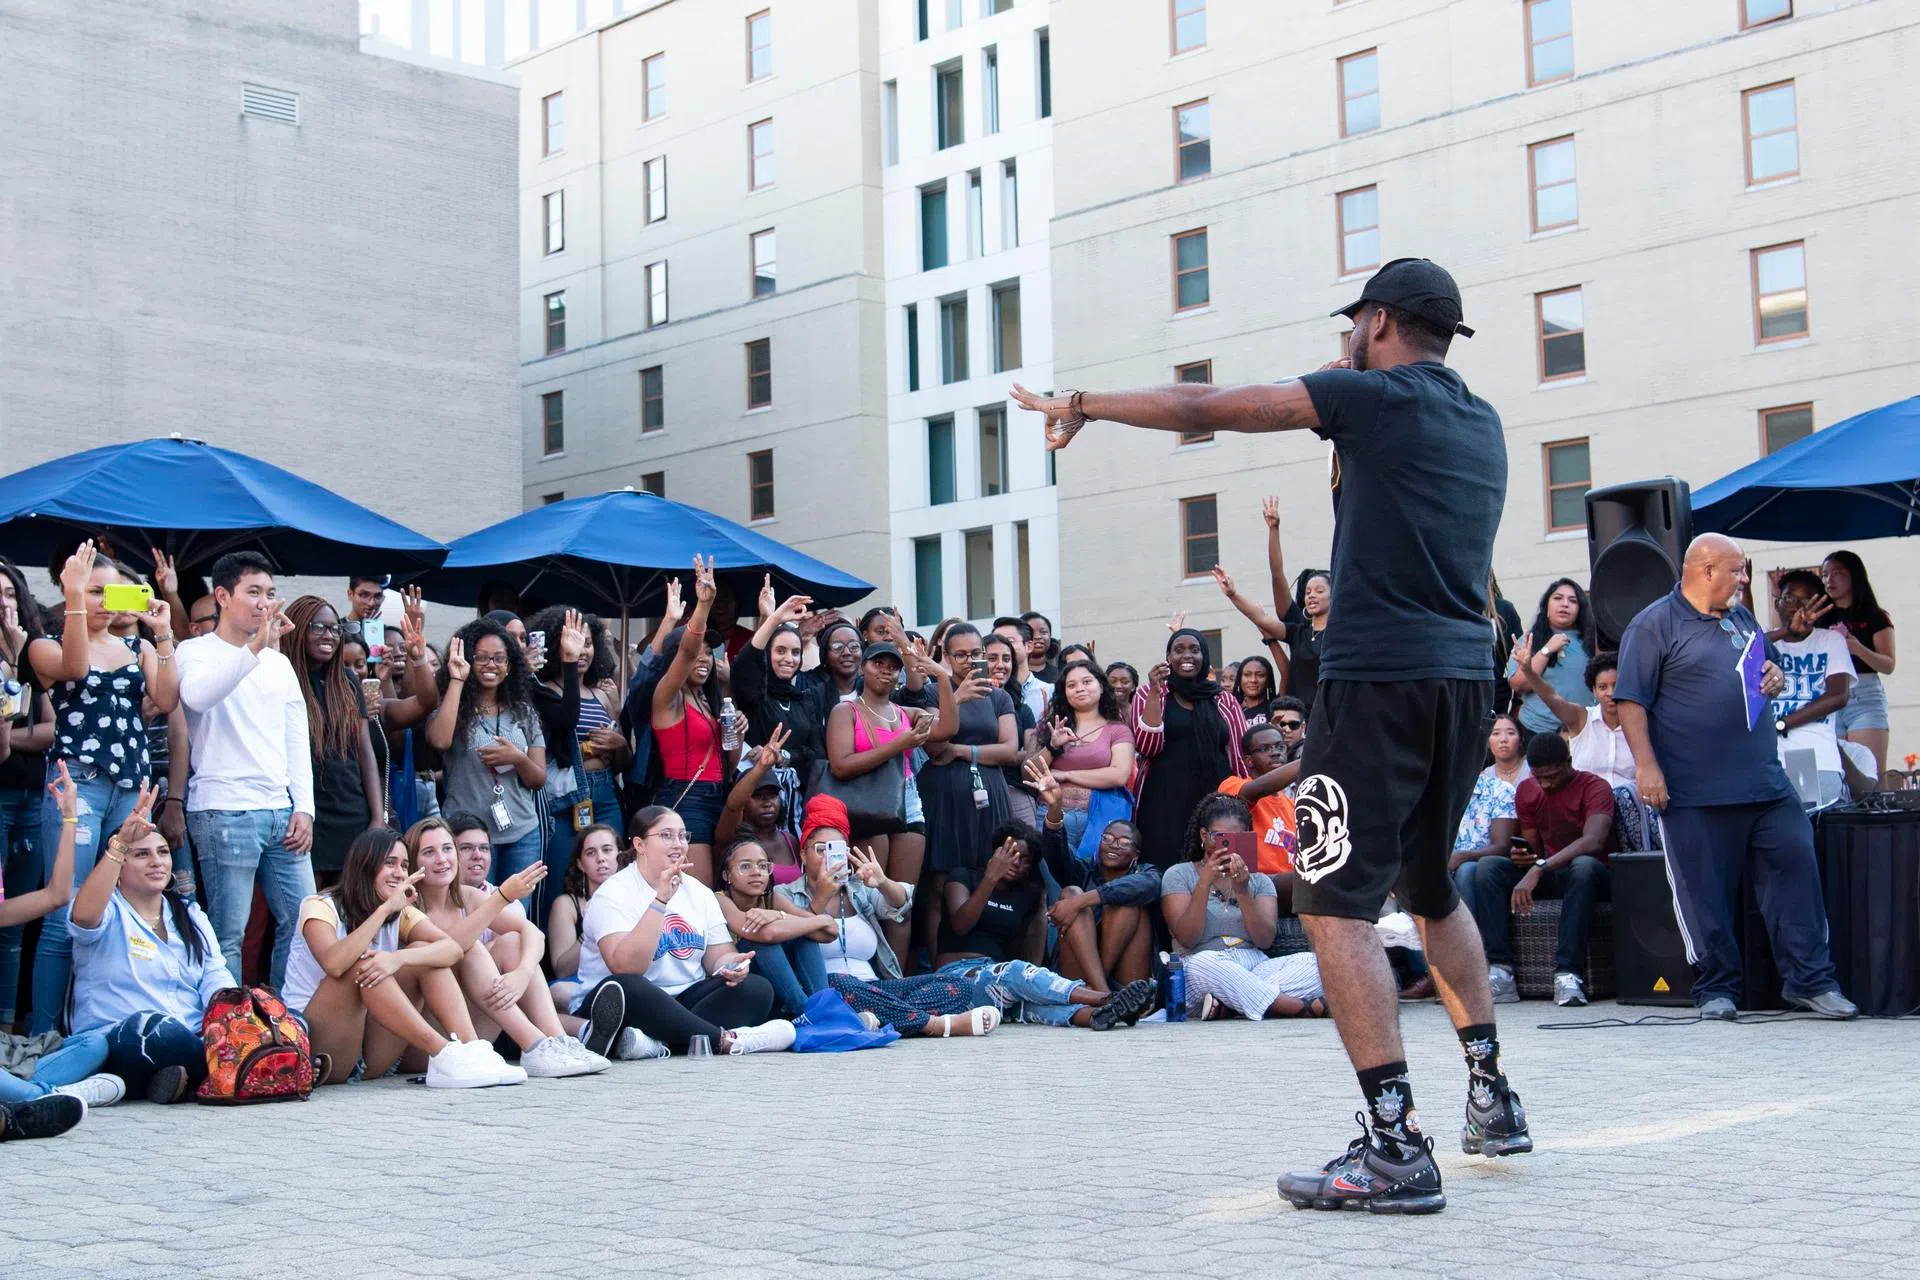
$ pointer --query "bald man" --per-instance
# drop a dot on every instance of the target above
(1692, 696)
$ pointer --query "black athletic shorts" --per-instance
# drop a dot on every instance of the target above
(1387, 772)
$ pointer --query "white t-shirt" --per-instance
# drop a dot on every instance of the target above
(304, 974)
(693, 924)
(862, 943)
(1806, 664)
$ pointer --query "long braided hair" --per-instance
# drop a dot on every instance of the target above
(335, 734)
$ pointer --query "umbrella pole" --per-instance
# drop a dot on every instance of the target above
(626, 651)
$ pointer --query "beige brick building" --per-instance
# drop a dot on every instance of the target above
(1615, 184)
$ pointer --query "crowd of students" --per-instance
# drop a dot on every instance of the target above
(498, 860)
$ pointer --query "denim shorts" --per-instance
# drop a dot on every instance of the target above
(700, 807)
(1866, 705)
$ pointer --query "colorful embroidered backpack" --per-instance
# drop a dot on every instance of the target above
(256, 1050)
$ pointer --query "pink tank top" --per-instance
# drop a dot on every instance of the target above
(880, 736)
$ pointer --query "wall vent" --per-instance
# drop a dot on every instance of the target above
(279, 105)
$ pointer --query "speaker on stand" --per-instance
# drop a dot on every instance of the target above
(1649, 955)
(1637, 536)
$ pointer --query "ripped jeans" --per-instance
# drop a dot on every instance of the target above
(1024, 992)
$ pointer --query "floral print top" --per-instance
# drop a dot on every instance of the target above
(97, 721)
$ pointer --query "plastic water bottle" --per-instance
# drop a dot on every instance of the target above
(729, 726)
(1176, 987)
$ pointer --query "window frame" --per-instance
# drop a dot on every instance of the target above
(1174, 47)
(754, 156)
(754, 238)
(767, 15)
(1806, 290)
(1747, 24)
(1180, 148)
(547, 122)
(1527, 7)
(941, 189)
(549, 323)
(647, 215)
(1341, 230)
(766, 346)
(1749, 137)
(952, 72)
(956, 354)
(997, 295)
(1347, 100)
(1534, 188)
(658, 398)
(1002, 456)
(654, 482)
(650, 110)
(990, 91)
(552, 203)
(647, 280)
(1549, 488)
(967, 543)
(922, 561)
(1540, 334)
(1805, 406)
(1173, 242)
(1180, 372)
(947, 451)
(756, 485)
(553, 419)
(1188, 537)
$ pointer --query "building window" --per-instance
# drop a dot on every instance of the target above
(655, 483)
(1006, 326)
(1197, 371)
(979, 557)
(993, 451)
(759, 373)
(553, 208)
(653, 87)
(553, 124)
(1359, 212)
(990, 90)
(1781, 427)
(890, 121)
(1569, 474)
(656, 274)
(760, 485)
(1190, 288)
(656, 189)
(759, 155)
(949, 107)
(913, 347)
(1193, 140)
(990, 7)
(1023, 563)
(953, 338)
(976, 217)
(929, 598)
(1199, 537)
(1549, 40)
(653, 400)
(1189, 23)
(760, 45)
(1758, 13)
(1360, 93)
(1773, 133)
(1556, 193)
(956, 14)
(933, 226)
(1780, 292)
(941, 467)
(548, 499)
(1562, 333)
(920, 24)
(556, 322)
(553, 423)
(1044, 61)
(1009, 205)
(764, 267)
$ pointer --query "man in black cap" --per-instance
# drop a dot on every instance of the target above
(1406, 684)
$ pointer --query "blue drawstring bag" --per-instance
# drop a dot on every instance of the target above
(829, 1025)
(1103, 807)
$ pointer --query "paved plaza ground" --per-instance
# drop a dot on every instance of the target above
(1762, 1149)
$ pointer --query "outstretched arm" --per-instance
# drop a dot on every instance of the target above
(1184, 406)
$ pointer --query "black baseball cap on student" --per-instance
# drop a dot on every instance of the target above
(1418, 286)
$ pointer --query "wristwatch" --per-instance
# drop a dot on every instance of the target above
(1780, 725)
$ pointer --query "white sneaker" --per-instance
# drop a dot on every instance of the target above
(632, 1043)
(504, 1071)
(457, 1067)
(1500, 979)
(1568, 989)
(100, 1090)
(595, 1063)
(551, 1059)
(768, 1037)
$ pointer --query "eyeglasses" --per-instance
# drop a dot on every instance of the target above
(1120, 842)
(1735, 636)
(482, 847)
(759, 865)
(491, 660)
(1289, 725)
(672, 837)
(844, 646)
(326, 629)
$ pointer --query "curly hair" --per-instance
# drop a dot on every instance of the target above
(1211, 809)
(1058, 707)
(552, 620)
(335, 730)
(515, 693)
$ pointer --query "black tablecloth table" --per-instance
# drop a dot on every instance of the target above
(1870, 874)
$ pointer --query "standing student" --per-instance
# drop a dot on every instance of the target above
(1858, 619)
(1819, 674)
(962, 787)
(694, 758)
(23, 772)
(250, 802)
(1561, 644)
(1187, 730)
(1045, 658)
(348, 795)
(1404, 686)
(1090, 753)
(488, 733)
(1304, 609)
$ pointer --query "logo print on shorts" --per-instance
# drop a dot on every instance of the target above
(1326, 838)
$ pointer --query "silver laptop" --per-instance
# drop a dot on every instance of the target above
(1804, 773)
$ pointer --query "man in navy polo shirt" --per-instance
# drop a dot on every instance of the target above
(1695, 674)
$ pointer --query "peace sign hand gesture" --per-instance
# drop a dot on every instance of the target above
(1062, 732)
(457, 666)
(703, 585)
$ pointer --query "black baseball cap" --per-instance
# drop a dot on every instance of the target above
(1418, 286)
(882, 649)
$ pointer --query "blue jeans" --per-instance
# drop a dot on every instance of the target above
(237, 847)
(558, 846)
(597, 785)
(510, 859)
(19, 873)
(1025, 991)
(77, 1058)
(699, 805)
(795, 968)
(141, 1045)
(1076, 822)
(103, 807)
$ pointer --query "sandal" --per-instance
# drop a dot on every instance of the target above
(980, 1021)
(1314, 1008)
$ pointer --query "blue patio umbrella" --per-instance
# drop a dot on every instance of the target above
(612, 553)
(197, 502)
(1857, 479)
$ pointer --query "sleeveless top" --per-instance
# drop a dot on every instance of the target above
(865, 739)
(690, 746)
(97, 721)
(593, 715)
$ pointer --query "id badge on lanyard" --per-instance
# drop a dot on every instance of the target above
(582, 815)
(980, 800)
(501, 818)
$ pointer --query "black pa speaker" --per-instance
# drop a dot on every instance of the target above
(1637, 535)
(1650, 957)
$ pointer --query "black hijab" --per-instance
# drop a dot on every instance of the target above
(1203, 692)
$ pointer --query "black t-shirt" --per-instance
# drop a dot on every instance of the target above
(1002, 921)
(1303, 653)
(1863, 626)
(1420, 479)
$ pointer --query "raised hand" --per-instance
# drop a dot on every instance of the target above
(1224, 580)
(1523, 652)
(78, 571)
(1063, 422)
(1270, 510)
(413, 638)
(768, 755)
(1177, 621)
(1062, 732)
(521, 883)
(271, 630)
(794, 609)
(768, 601)
(575, 636)
(676, 609)
(1041, 780)
(139, 823)
(1000, 865)
(704, 589)
(404, 896)
(865, 866)
(415, 608)
(457, 666)
(160, 618)
(1157, 678)
(166, 574)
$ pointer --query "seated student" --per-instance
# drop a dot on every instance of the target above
(1102, 912)
(1490, 823)
(473, 848)
(786, 940)
(756, 810)
(365, 961)
(55, 1097)
(1566, 819)
(656, 955)
(853, 890)
(596, 856)
(1263, 748)
(499, 970)
(1598, 743)
(993, 914)
(1223, 914)
(1288, 714)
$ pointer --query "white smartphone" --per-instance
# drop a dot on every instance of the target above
(835, 854)
(736, 963)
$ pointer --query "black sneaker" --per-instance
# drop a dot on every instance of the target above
(1125, 1006)
(1369, 1178)
(605, 1014)
(1496, 1122)
(168, 1085)
(47, 1116)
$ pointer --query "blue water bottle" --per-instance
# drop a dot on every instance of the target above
(1176, 988)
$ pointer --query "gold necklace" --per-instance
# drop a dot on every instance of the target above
(888, 725)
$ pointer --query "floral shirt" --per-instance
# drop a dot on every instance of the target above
(1491, 799)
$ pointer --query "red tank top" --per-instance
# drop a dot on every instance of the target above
(689, 750)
